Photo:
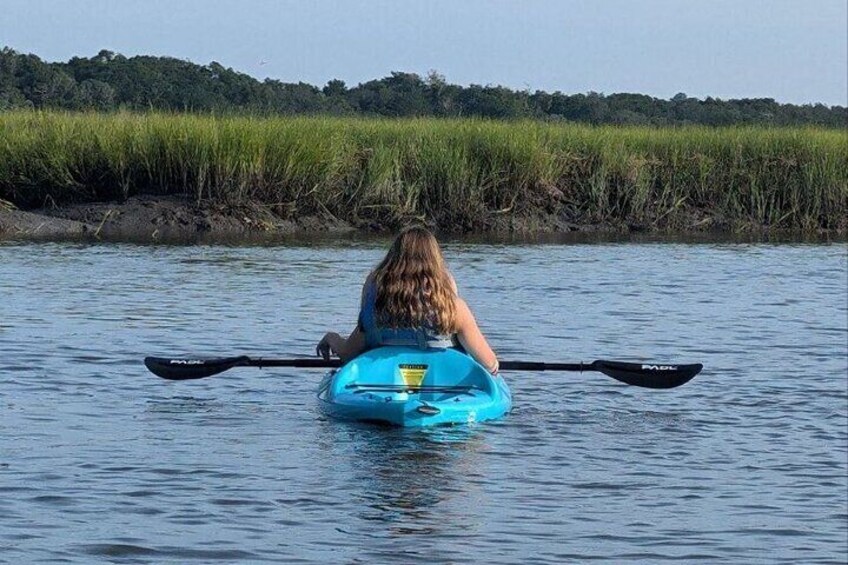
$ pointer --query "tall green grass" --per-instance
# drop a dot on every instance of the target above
(460, 174)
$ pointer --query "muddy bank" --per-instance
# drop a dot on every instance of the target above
(176, 218)
(153, 218)
(163, 218)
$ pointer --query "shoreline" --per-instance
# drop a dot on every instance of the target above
(170, 218)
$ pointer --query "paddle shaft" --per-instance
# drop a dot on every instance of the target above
(299, 363)
(537, 366)
(334, 363)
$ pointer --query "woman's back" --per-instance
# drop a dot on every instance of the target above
(422, 336)
(411, 299)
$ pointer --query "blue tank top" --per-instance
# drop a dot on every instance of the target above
(376, 336)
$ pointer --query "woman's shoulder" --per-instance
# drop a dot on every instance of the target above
(369, 285)
(370, 280)
(453, 284)
(463, 311)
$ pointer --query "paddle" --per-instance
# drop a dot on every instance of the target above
(636, 374)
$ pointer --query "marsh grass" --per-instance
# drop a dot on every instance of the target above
(458, 174)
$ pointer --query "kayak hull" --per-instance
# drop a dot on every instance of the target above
(410, 387)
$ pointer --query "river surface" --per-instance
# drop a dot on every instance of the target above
(100, 461)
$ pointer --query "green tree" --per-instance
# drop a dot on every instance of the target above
(335, 87)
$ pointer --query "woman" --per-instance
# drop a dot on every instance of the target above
(411, 299)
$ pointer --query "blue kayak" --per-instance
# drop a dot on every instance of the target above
(410, 387)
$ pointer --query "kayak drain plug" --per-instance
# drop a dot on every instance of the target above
(428, 410)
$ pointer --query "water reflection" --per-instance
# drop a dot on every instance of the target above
(414, 481)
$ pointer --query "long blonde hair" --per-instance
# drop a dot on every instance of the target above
(414, 287)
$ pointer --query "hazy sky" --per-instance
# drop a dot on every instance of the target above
(791, 50)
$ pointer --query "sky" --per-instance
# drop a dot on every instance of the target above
(795, 51)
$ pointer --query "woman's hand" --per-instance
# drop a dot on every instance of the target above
(328, 346)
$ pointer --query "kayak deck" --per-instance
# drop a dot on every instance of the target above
(410, 387)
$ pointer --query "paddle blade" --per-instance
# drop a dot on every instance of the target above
(184, 369)
(647, 375)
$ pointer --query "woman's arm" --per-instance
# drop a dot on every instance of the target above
(332, 343)
(472, 339)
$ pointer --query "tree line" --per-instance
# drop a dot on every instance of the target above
(110, 81)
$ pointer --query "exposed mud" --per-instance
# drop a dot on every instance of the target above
(154, 218)
(150, 218)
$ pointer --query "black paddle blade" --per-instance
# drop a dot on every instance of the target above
(184, 369)
(647, 375)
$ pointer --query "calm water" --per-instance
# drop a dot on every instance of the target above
(102, 461)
